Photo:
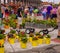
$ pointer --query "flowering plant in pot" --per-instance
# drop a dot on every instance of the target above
(6, 23)
(30, 37)
(23, 42)
(22, 25)
(13, 32)
(47, 39)
(40, 39)
(37, 34)
(12, 23)
(11, 38)
(2, 37)
(6, 26)
(34, 41)
(21, 35)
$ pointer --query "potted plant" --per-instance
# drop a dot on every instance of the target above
(12, 23)
(6, 26)
(21, 35)
(2, 37)
(40, 39)
(37, 34)
(11, 38)
(23, 42)
(13, 32)
(2, 50)
(47, 39)
(22, 25)
(30, 37)
(6, 23)
(34, 41)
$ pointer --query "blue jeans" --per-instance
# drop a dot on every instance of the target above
(44, 15)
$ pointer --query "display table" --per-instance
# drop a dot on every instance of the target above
(17, 49)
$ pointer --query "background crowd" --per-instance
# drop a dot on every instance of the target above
(23, 11)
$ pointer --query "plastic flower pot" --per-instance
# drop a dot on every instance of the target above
(1, 42)
(30, 39)
(23, 45)
(47, 40)
(1, 45)
(11, 40)
(1, 49)
(40, 40)
(35, 43)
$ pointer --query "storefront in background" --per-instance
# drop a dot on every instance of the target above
(23, 2)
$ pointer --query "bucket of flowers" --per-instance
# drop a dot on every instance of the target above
(40, 39)
(13, 32)
(47, 39)
(11, 38)
(2, 37)
(21, 35)
(34, 41)
(23, 42)
(6, 23)
(30, 37)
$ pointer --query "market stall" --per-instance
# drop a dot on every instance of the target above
(14, 39)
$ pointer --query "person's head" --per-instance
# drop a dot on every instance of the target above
(19, 6)
(54, 6)
(51, 4)
(59, 4)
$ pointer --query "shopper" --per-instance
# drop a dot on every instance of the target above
(19, 12)
(1, 16)
(6, 12)
(49, 8)
(31, 10)
(26, 10)
(36, 11)
(54, 13)
(44, 13)
(1, 13)
(58, 21)
(3, 10)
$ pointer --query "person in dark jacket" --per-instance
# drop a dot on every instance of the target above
(1, 16)
(0, 13)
